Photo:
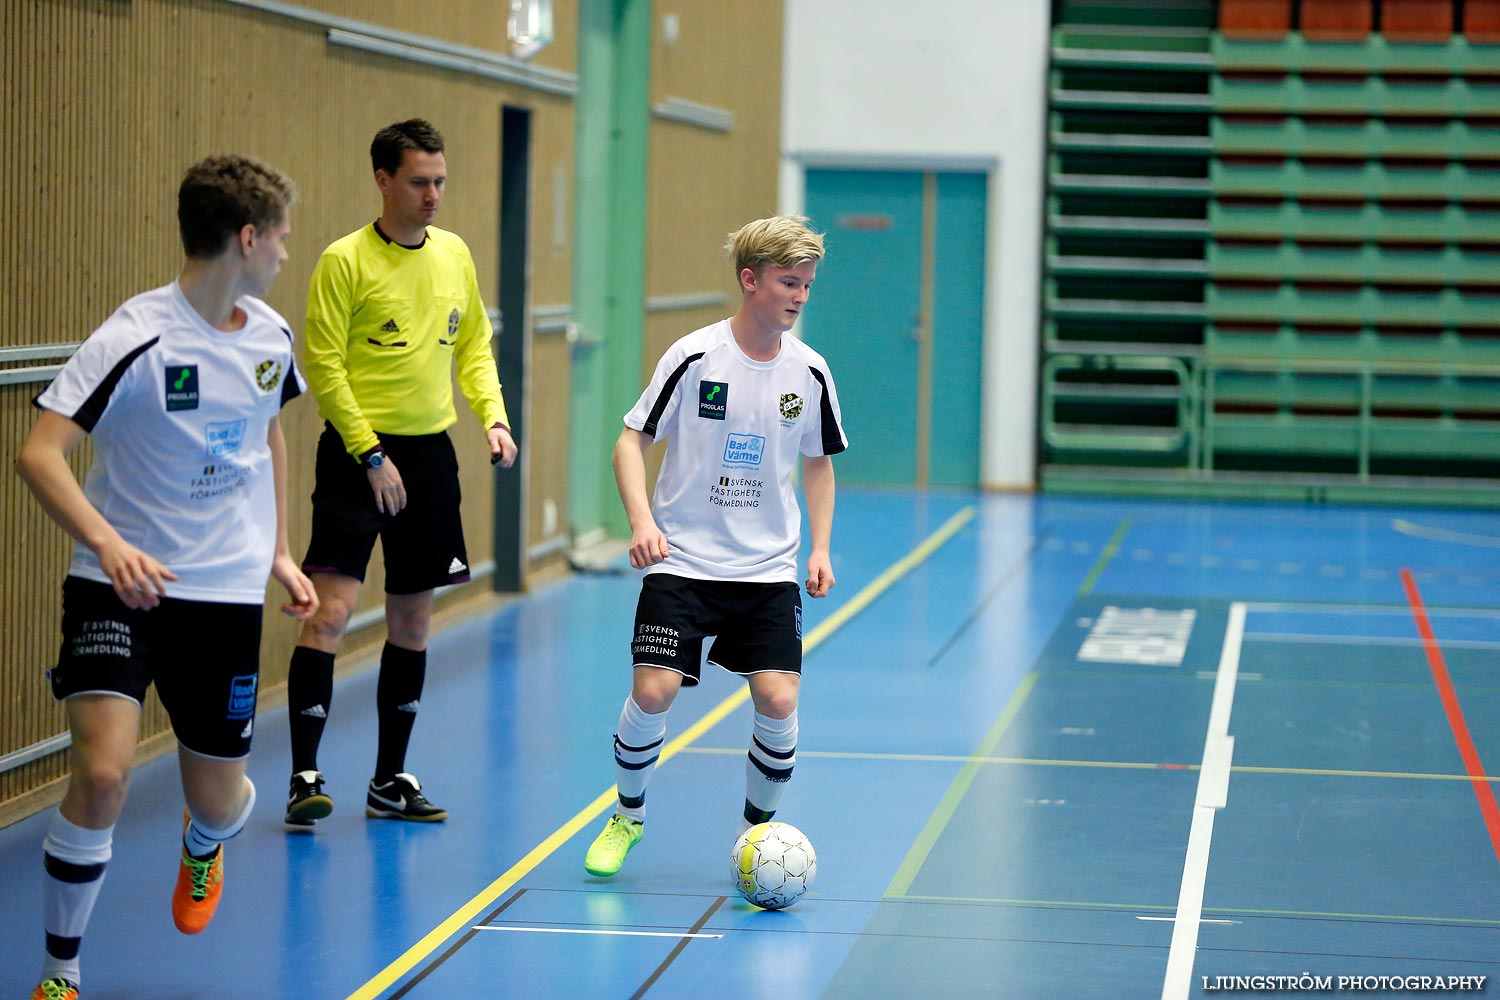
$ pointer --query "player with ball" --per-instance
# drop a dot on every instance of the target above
(741, 401)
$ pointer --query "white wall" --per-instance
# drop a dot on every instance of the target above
(940, 84)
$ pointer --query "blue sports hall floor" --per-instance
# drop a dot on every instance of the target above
(1051, 747)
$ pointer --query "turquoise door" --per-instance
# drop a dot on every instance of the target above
(897, 309)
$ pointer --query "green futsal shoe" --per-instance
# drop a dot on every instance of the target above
(607, 853)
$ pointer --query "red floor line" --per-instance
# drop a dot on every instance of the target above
(1472, 763)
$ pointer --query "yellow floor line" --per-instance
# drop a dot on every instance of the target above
(938, 821)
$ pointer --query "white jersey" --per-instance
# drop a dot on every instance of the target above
(179, 413)
(724, 498)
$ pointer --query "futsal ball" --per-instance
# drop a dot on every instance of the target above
(773, 865)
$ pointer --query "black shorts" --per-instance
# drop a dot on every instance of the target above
(204, 657)
(424, 543)
(757, 626)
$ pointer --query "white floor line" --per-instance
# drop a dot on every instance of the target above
(1366, 640)
(1367, 609)
(1202, 920)
(580, 930)
(1213, 794)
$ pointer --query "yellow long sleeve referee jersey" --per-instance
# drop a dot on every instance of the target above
(385, 325)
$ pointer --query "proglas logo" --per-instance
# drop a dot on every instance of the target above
(713, 399)
(182, 387)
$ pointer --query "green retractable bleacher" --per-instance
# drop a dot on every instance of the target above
(1346, 341)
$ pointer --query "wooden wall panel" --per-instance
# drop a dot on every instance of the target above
(476, 23)
(108, 103)
(705, 184)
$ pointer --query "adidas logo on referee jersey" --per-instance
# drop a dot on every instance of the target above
(390, 327)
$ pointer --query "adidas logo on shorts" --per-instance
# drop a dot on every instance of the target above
(456, 566)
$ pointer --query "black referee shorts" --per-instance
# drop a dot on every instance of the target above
(423, 544)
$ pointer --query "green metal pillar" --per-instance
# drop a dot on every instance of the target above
(609, 247)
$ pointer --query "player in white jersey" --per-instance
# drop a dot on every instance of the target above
(180, 521)
(741, 401)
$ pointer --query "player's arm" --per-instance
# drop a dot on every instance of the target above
(43, 464)
(284, 568)
(648, 546)
(817, 487)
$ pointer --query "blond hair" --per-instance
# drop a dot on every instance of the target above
(783, 240)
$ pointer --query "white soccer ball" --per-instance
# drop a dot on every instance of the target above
(773, 865)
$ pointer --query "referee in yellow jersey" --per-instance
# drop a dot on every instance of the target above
(392, 308)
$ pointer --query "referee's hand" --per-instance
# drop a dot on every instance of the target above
(390, 491)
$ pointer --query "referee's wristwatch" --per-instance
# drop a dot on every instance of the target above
(375, 459)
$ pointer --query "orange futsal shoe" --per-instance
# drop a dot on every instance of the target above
(55, 989)
(199, 885)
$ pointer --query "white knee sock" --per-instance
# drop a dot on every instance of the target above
(638, 741)
(201, 841)
(75, 859)
(768, 767)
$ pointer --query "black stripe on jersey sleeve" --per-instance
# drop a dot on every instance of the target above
(289, 388)
(669, 387)
(93, 408)
(833, 440)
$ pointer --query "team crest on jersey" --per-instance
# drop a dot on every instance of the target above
(791, 406)
(268, 375)
(182, 387)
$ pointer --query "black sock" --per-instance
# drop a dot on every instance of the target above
(309, 695)
(397, 698)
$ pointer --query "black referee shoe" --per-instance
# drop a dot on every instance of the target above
(402, 798)
(305, 801)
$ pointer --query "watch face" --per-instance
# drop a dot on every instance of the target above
(377, 460)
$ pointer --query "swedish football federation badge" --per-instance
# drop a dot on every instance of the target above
(268, 375)
(454, 319)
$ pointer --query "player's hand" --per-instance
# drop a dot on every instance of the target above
(390, 491)
(503, 448)
(819, 575)
(140, 581)
(648, 547)
(304, 602)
